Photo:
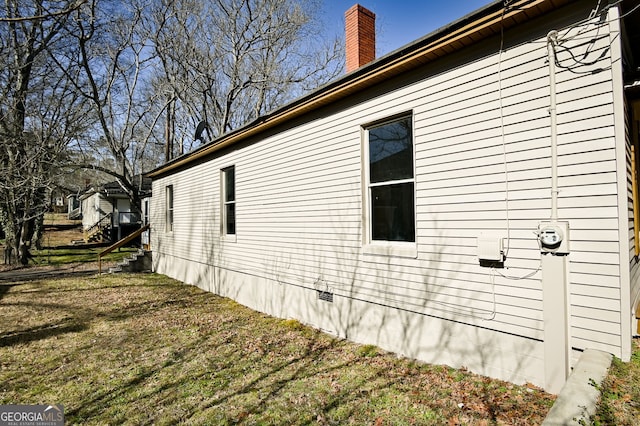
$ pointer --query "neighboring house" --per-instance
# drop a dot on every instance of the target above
(107, 212)
(57, 201)
(405, 204)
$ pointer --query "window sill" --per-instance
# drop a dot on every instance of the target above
(228, 238)
(409, 250)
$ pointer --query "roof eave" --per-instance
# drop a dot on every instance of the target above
(483, 23)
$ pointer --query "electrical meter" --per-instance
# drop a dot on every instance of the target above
(551, 236)
(554, 237)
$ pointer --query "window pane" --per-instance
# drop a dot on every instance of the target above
(230, 218)
(230, 184)
(391, 151)
(392, 213)
(169, 201)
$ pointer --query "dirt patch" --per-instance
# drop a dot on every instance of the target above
(57, 219)
(57, 235)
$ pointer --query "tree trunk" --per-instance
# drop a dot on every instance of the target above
(24, 242)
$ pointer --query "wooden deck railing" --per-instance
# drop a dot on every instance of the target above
(119, 244)
(99, 226)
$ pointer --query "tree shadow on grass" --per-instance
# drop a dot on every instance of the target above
(4, 289)
(218, 368)
(77, 318)
(44, 331)
(237, 381)
(268, 384)
(23, 275)
(304, 368)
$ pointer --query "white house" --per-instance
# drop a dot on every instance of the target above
(107, 212)
(468, 199)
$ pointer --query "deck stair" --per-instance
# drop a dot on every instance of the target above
(139, 261)
(100, 231)
(146, 262)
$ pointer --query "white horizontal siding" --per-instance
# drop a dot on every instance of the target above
(299, 198)
(634, 266)
(94, 208)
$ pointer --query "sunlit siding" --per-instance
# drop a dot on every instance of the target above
(94, 208)
(588, 194)
(299, 196)
(462, 182)
(634, 266)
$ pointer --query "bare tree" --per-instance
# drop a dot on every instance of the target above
(101, 84)
(114, 64)
(153, 69)
(226, 62)
(38, 114)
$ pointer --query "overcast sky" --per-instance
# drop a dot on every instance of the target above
(399, 22)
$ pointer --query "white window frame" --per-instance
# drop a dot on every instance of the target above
(145, 211)
(224, 203)
(169, 208)
(370, 246)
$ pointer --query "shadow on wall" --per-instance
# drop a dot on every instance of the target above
(373, 300)
(416, 308)
(379, 300)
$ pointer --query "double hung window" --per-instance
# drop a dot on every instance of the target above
(390, 181)
(169, 208)
(228, 185)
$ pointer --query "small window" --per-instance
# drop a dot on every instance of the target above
(146, 213)
(169, 201)
(229, 201)
(391, 182)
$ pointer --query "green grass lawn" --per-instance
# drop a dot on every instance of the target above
(65, 256)
(145, 349)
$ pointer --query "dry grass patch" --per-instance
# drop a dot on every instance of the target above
(620, 392)
(132, 349)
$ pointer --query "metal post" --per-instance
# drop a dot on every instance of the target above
(557, 350)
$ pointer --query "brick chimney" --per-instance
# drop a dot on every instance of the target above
(360, 36)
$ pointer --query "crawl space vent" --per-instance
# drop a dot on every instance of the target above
(327, 296)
